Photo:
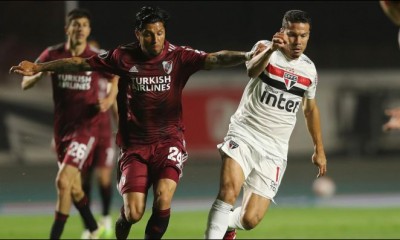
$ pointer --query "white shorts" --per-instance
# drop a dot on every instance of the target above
(263, 174)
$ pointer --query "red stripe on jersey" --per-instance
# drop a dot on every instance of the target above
(279, 72)
(277, 174)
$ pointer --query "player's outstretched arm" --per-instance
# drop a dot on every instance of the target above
(225, 58)
(74, 64)
(311, 114)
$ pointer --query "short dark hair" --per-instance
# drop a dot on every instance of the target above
(77, 13)
(148, 14)
(295, 16)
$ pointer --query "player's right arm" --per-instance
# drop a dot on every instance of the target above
(30, 81)
(71, 65)
(262, 54)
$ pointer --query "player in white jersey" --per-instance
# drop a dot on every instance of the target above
(392, 11)
(254, 151)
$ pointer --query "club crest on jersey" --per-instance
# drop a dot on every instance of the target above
(103, 54)
(167, 66)
(233, 145)
(290, 80)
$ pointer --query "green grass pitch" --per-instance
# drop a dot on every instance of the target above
(279, 222)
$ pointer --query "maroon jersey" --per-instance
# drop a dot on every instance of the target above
(75, 95)
(149, 90)
(105, 124)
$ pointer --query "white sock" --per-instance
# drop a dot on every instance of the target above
(106, 221)
(217, 223)
(234, 219)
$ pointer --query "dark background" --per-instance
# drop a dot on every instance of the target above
(345, 34)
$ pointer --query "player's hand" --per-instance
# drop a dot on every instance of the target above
(319, 160)
(105, 104)
(279, 40)
(394, 121)
(25, 68)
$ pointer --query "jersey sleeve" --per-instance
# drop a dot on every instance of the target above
(44, 56)
(104, 62)
(265, 42)
(310, 93)
(192, 59)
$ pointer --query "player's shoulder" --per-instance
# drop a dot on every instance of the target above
(56, 47)
(306, 60)
(184, 49)
(128, 46)
(96, 50)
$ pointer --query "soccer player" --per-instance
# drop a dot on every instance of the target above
(392, 11)
(103, 159)
(153, 73)
(78, 111)
(254, 151)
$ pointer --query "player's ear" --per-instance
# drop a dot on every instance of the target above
(137, 34)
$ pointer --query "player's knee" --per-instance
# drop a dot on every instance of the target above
(163, 201)
(63, 183)
(77, 192)
(228, 194)
(133, 214)
(250, 221)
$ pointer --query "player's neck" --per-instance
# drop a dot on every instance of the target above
(76, 49)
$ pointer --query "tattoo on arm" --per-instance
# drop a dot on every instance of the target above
(74, 64)
(224, 59)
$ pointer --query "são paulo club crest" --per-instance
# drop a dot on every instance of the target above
(233, 145)
(167, 66)
(290, 80)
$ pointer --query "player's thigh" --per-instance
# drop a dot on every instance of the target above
(104, 175)
(232, 176)
(164, 191)
(66, 175)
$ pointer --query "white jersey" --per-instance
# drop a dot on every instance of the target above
(267, 111)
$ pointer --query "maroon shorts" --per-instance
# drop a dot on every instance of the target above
(141, 166)
(104, 153)
(77, 151)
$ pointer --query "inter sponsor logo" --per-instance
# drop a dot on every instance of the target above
(279, 102)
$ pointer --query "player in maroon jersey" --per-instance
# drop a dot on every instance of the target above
(392, 11)
(153, 73)
(78, 112)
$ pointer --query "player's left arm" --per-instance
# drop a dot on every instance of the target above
(226, 58)
(107, 102)
(311, 114)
